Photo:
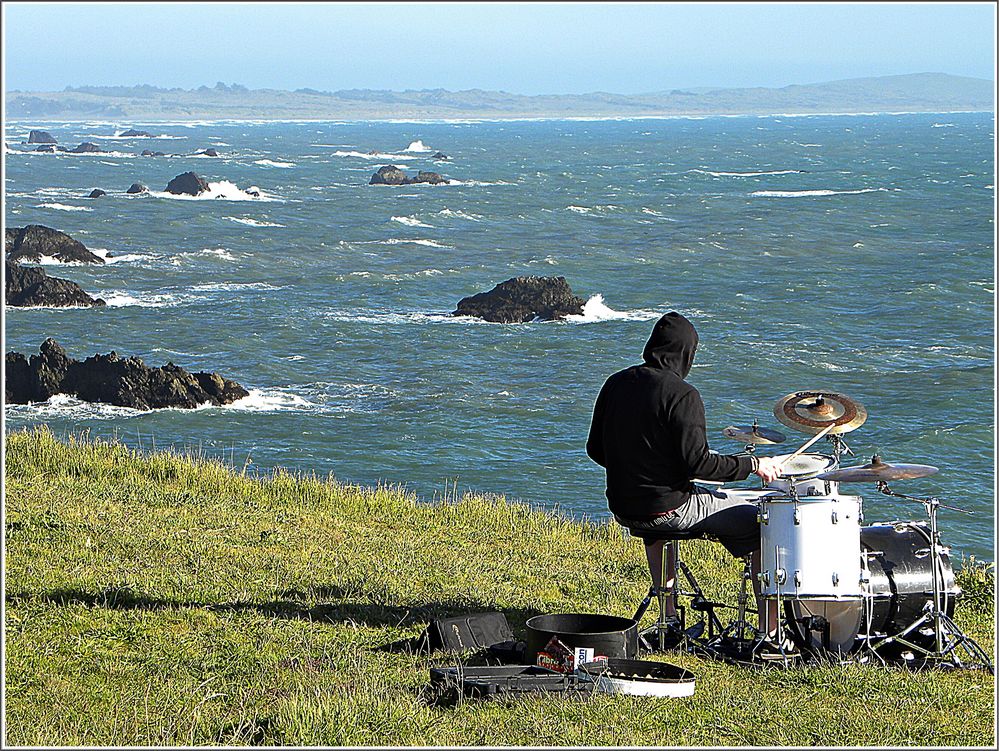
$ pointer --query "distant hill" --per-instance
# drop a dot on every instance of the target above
(921, 92)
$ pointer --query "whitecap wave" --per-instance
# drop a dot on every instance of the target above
(270, 400)
(459, 214)
(118, 298)
(595, 310)
(123, 258)
(426, 243)
(410, 221)
(223, 190)
(233, 286)
(599, 209)
(222, 254)
(942, 125)
(472, 183)
(417, 146)
(252, 222)
(64, 405)
(376, 155)
(272, 163)
(749, 174)
(813, 193)
(63, 207)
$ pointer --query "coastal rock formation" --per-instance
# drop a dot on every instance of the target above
(97, 193)
(32, 242)
(522, 299)
(136, 134)
(187, 183)
(110, 379)
(32, 287)
(41, 136)
(440, 155)
(137, 188)
(86, 148)
(49, 148)
(209, 152)
(392, 175)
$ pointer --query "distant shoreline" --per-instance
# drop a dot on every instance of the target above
(483, 119)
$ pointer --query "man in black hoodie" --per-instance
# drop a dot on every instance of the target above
(648, 431)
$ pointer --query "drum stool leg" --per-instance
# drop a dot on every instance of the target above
(670, 629)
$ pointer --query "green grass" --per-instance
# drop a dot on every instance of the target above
(154, 599)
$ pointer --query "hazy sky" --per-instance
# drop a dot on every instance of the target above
(525, 48)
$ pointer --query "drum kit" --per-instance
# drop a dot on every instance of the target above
(847, 592)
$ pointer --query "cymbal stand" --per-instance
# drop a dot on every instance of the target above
(948, 637)
(839, 446)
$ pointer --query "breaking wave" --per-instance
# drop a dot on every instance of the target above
(410, 221)
(595, 310)
(417, 146)
(813, 193)
(223, 190)
(63, 207)
(272, 163)
(377, 155)
(252, 222)
(749, 174)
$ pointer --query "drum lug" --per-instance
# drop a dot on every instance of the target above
(762, 517)
(835, 579)
(764, 577)
(781, 576)
(797, 578)
(797, 516)
(835, 518)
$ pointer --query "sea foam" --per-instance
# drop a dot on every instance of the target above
(417, 146)
(63, 207)
(813, 193)
(410, 221)
(595, 310)
(223, 190)
(252, 222)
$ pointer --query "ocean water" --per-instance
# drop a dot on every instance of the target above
(847, 253)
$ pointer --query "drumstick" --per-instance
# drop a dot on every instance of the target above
(809, 442)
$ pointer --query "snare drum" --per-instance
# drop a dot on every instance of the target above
(802, 471)
(810, 547)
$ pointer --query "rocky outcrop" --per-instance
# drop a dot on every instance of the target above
(137, 188)
(136, 134)
(31, 287)
(392, 175)
(111, 379)
(86, 148)
(41, 136)
(187, 183)
(522, 299)
(34, 241)
(440, 156)
(49, 148)
(209, 152)
(150, 152)
(97, 193)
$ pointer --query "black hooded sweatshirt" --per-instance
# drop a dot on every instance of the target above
(648, 429)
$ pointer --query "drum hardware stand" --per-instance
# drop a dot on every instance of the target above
(948, 637)
(839, 446)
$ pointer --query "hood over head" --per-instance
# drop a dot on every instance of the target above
(672, 344)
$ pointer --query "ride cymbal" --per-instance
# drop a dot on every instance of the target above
(878, 471)
(814, 411)
(753, 434)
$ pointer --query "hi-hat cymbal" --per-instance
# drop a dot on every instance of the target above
(878, 471)
(814, 411)
(753, 434)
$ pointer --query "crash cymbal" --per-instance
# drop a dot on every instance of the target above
(814, 411)
(753, 434)
(878, 471)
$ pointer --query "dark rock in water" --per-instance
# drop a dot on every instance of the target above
(34, 241)
(209, 152)
(187, 183)
(31, 287)
(86, 148)
(150, 152)
(523, 299)
(97, 193)
(48, 148)
(41, 136)
(251, 192)
(137, 188)
(110, 379)
(136, 134)
(392, 175)
(428, 177)
(440, 155)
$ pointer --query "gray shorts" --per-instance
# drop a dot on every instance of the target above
(709, 512)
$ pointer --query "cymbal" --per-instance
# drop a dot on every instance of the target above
(878, 471)
(813, 411)
(753, 434)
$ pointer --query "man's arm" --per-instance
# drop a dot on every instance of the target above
(595, 441)
(693, 443)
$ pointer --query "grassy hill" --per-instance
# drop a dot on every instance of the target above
(155, 599)
(924, 92)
